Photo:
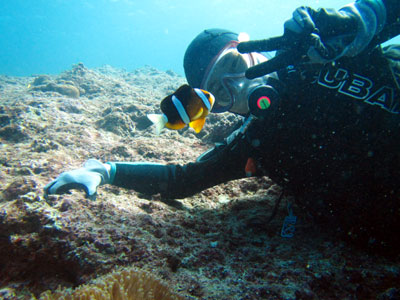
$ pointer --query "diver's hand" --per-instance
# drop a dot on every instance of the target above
(88, 178)
(318, 36)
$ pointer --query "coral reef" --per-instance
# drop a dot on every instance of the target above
(216, 244)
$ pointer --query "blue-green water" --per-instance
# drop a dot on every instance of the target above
(48, 36)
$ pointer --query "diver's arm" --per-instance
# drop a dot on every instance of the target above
(223, 163)
(88, 178)
(392, 11)
(323, 35)
(392, 26)
(369, 16)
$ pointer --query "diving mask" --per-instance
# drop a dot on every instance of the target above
(225, 78)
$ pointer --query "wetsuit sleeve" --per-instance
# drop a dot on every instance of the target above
(377, 21)
(223, 163)
(392, 26)
(392, 11)
(369, 18)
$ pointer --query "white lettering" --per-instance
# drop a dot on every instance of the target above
(358, 87)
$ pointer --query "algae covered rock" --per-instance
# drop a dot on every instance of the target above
(41, 80)
(63, 89)
(44, 83)
(67, 90)
(14, 133)
(117, 122)
(19, 187)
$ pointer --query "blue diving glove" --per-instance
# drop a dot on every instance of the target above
(319, 36)
(89, 178)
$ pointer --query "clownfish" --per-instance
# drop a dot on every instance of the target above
(187, 106)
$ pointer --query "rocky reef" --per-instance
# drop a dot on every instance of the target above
(214, 245)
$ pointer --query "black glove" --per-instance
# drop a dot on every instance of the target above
(316, 36)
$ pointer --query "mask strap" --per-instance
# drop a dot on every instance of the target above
(231, 44)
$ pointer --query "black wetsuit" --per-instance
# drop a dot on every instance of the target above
(333, 142)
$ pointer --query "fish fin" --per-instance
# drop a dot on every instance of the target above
(198, 124)
(159, 121)
(175, 126)
(199, 114)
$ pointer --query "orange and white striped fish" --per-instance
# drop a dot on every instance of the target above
(187, 106)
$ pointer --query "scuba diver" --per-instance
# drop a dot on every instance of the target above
(320, 119)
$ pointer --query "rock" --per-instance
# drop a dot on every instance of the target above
(120, 151)
(63, 89)
(30, 197)
(41, 80)
(4, 120)
(43, 145)
(14, 133)
(118, 123)
(7, 294)
(70, 108)
(65, 205)
(20, 186)
(390, 294)
(67, 90)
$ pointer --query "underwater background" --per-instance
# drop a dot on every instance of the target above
(43, 36)
(77, 80)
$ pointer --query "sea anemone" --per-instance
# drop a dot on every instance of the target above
(125, 284)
